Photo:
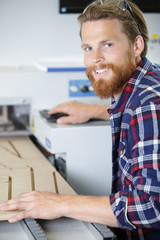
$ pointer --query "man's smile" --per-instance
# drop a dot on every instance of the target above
(101, 71)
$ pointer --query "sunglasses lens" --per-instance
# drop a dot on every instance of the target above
(122, 5)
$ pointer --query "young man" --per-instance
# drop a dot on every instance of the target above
(114, 39)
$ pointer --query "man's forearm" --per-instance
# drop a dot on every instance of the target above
(89, 209)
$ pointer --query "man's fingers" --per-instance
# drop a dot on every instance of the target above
(20, 216)
(66, 120)
(15, 205)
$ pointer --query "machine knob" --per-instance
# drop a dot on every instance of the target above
(74, 88)
(90, 88)
(84, 88)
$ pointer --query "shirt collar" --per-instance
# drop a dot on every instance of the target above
(130, 87)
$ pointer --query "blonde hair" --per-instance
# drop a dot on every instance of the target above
(108, 9)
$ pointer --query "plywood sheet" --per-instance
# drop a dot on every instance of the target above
(23, 168)
(62, 187)
(4, 186)
(23, 147)
(6, 144)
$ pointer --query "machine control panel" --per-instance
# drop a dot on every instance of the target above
(81, 88)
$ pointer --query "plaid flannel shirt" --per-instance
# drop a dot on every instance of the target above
(135, 123)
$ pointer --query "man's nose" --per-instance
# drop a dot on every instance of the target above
(98, 56)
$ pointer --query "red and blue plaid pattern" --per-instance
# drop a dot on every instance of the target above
(135, 122)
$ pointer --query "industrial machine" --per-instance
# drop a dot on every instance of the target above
(82, 152)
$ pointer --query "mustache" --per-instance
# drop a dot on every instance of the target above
(101, 66)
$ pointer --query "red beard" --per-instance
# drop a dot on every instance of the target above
(121, 73)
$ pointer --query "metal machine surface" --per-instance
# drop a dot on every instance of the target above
(60, 229)
(84, 151)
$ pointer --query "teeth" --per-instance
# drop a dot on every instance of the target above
(101, 70)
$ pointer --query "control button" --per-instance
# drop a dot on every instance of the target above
(90, 88)
(84, 88)
(74, 88)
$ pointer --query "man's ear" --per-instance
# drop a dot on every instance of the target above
(138, 45)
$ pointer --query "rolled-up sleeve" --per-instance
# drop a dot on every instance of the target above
(137, 203)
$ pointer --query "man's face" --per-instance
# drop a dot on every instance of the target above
(108, 56)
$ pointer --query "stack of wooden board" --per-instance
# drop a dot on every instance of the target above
(23, 168)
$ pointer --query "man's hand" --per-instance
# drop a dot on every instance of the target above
(44, 205)
(80, 112)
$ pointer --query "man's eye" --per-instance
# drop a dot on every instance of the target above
(88, 49)
(107, 45)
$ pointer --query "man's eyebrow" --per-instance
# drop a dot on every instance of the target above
(106, 40)
(84, 45)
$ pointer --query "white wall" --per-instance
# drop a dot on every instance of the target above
(33, 30)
